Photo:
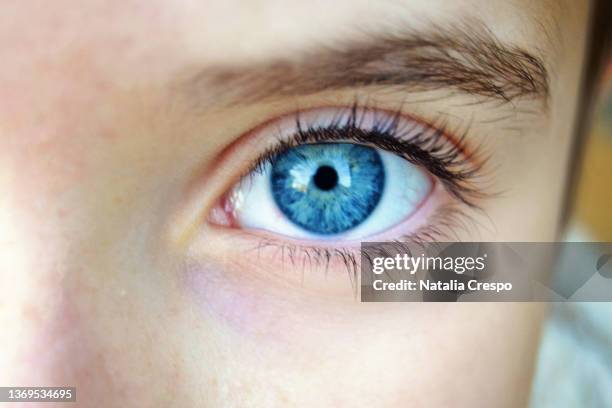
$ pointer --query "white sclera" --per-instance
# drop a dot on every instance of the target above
(406, 186)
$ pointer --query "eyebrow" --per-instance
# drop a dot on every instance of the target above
(470, 60)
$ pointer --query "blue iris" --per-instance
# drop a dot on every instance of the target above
(328, 188)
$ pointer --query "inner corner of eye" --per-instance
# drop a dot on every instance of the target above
(330, 190)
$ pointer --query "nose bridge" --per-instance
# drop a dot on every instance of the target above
(34, 313)
(40, 329)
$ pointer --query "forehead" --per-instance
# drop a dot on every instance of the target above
(222, 30)
(60, 57)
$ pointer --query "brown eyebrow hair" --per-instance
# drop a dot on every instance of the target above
(471, 60)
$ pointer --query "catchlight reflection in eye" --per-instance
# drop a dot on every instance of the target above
(330, 191)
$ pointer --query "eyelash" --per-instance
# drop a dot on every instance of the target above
(430, 146)
(447, 220)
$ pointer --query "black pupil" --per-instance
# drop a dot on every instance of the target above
(326, 178)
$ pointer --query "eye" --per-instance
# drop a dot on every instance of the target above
(348, 175)
(330, 190)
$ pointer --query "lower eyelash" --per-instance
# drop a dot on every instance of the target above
(446, 222)
(314, 257)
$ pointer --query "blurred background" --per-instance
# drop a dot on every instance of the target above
(594, 195)
(574, 367)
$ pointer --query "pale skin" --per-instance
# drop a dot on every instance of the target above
(111, 280)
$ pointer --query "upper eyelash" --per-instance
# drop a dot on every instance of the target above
(429, 147)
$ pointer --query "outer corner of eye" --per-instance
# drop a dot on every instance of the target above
(326, 191)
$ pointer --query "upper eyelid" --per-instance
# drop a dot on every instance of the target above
(456, 157)
(382, 120)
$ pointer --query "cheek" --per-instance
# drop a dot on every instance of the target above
(243, 308)
(299, 344)
(56, 344)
